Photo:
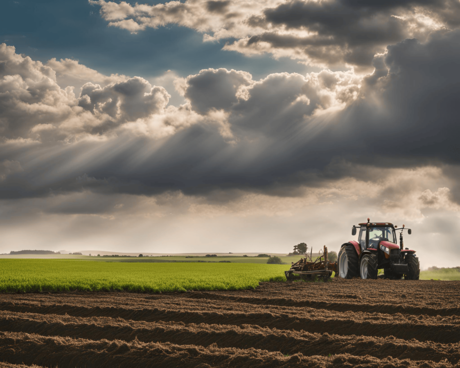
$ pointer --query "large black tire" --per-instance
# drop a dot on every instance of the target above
(348, 262)
(368, 267)
(414, 267)
(391, 275)
(338, 258)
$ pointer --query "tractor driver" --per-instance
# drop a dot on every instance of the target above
(375, 235)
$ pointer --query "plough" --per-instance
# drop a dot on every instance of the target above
(306, 269)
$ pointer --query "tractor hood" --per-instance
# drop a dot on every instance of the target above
(389, 245)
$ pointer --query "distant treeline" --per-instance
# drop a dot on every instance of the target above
(34, 252)
(117, 255)
(434, 268)
(156, 260)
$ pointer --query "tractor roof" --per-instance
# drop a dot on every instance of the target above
(376, 224)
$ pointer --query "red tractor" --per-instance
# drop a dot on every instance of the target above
(377, 248)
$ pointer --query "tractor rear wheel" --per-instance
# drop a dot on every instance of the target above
(414, 267)
(368, 267)
(348, 262)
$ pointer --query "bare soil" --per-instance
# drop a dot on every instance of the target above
(343, 323)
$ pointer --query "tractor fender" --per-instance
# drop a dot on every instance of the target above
(370, 251)
(355, 245)
(408, 251)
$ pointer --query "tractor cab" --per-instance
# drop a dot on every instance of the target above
(371, 236)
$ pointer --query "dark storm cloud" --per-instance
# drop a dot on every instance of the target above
(357, 29)
(217, 6)
(272, 136)
(215, 89)
(122, 102)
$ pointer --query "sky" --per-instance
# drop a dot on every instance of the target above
(228, 126)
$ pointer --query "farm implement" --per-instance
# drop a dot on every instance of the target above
(307, 269)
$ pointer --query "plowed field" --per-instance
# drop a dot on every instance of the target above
(343, 323)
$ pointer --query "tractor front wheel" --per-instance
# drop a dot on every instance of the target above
(414, 267)
(348, 262)
(368, 268)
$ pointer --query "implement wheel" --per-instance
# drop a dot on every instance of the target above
(288, 275)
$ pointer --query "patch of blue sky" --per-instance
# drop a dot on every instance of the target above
(74, 29)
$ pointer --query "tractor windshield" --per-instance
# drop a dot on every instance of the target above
(376, 234)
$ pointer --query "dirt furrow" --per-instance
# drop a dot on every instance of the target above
(21, 348)
(285, 341)
(10, 365)
(443, 333)
(384, 308)
(193, 305)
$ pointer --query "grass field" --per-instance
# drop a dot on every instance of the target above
(49, 275)
(451, 274)
(231, 259)
(31, 275)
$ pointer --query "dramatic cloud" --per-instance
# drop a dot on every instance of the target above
(34, 106)
(276, 135)
(326, 33)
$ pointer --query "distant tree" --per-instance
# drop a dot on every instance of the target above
(98, 255)
(302, 247)
(332, 256)
(274, 260)
(245, 255)
(263, 255)
(141, 255)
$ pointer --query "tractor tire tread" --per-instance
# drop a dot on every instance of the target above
(414, 267)
(353, 261)
(372, 264)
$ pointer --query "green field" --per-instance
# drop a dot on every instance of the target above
(445, 274)
(121, 274)
(159, 259)
(32, 275)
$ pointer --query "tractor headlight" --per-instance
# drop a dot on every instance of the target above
(385, 249)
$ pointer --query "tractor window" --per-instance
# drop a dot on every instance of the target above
(362, 238)
(389, 233)
(376, 234)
